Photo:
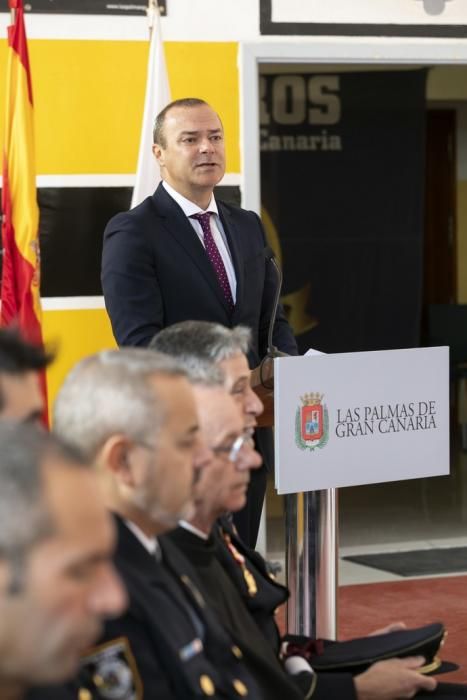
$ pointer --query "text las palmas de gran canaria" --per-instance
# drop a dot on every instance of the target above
(368, 420)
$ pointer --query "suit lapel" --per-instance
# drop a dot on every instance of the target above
(233, 237)
(131, 552)
(176, 223)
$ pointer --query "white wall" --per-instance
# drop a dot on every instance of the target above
(187, 20)
(371, 11)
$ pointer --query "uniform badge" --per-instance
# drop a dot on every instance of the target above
(311, 423)
(112, 671)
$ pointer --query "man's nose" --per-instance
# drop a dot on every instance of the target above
(108, 597)
(248, 459)
(253, 405)
(206, 145)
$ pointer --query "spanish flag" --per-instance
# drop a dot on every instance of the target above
(20, 289)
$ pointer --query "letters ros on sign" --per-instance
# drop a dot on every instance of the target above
(296, 99)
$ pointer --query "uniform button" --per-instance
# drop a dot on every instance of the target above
(237, 652)
(240, 687)
(84, 694)
(206, 685)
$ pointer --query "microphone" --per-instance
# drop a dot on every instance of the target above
(272, 351)
(266, 371)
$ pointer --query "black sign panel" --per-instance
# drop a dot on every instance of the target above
(72, 222)
(342, 173)
(88, 7)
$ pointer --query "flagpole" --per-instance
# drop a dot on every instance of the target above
(156, 98)
(153, 7)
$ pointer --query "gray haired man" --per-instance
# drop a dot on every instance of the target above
(57, 581)
(198, 342)
(132, 411)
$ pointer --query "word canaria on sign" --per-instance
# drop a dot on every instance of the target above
(367, 420)
(300, 142)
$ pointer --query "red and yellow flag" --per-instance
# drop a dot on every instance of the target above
(20, 289)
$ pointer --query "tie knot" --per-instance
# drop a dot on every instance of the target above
(202, 218)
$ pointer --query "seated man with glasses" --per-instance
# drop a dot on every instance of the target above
(221, 487)
(208, 538)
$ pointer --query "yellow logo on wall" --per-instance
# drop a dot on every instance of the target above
(295, 303)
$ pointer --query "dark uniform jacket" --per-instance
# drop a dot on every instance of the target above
(150, 676)
(262, 606)
(168, 645)
(247, 609)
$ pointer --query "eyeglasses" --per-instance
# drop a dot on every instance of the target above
(231, 452)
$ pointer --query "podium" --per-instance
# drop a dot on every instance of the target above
(344, 420)
(311, 543)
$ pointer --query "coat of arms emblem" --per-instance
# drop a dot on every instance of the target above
(311, 422)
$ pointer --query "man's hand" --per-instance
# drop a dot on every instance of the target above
(393, 679)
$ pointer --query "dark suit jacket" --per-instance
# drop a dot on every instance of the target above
(155, 272)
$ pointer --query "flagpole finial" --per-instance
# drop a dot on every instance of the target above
(152, 11)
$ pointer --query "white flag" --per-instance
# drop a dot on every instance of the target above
(157, 97)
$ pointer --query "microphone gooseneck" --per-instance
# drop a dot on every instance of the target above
(265, 368)
(272, 351)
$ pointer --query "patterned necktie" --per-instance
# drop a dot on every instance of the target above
(215, 257)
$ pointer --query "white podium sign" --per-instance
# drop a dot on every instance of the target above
(361, 418)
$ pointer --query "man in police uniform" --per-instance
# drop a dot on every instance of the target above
(132, 412)
(56, 576)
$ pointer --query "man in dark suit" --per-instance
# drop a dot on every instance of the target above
(182, 255)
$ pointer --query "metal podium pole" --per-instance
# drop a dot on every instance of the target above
(311, 557)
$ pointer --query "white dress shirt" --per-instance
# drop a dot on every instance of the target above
(149, 543)
(194, 530)
(218, 233)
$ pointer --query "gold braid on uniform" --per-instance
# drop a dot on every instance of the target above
(241, 561)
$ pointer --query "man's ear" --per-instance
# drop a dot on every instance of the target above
(114, 457)
(158, 153)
